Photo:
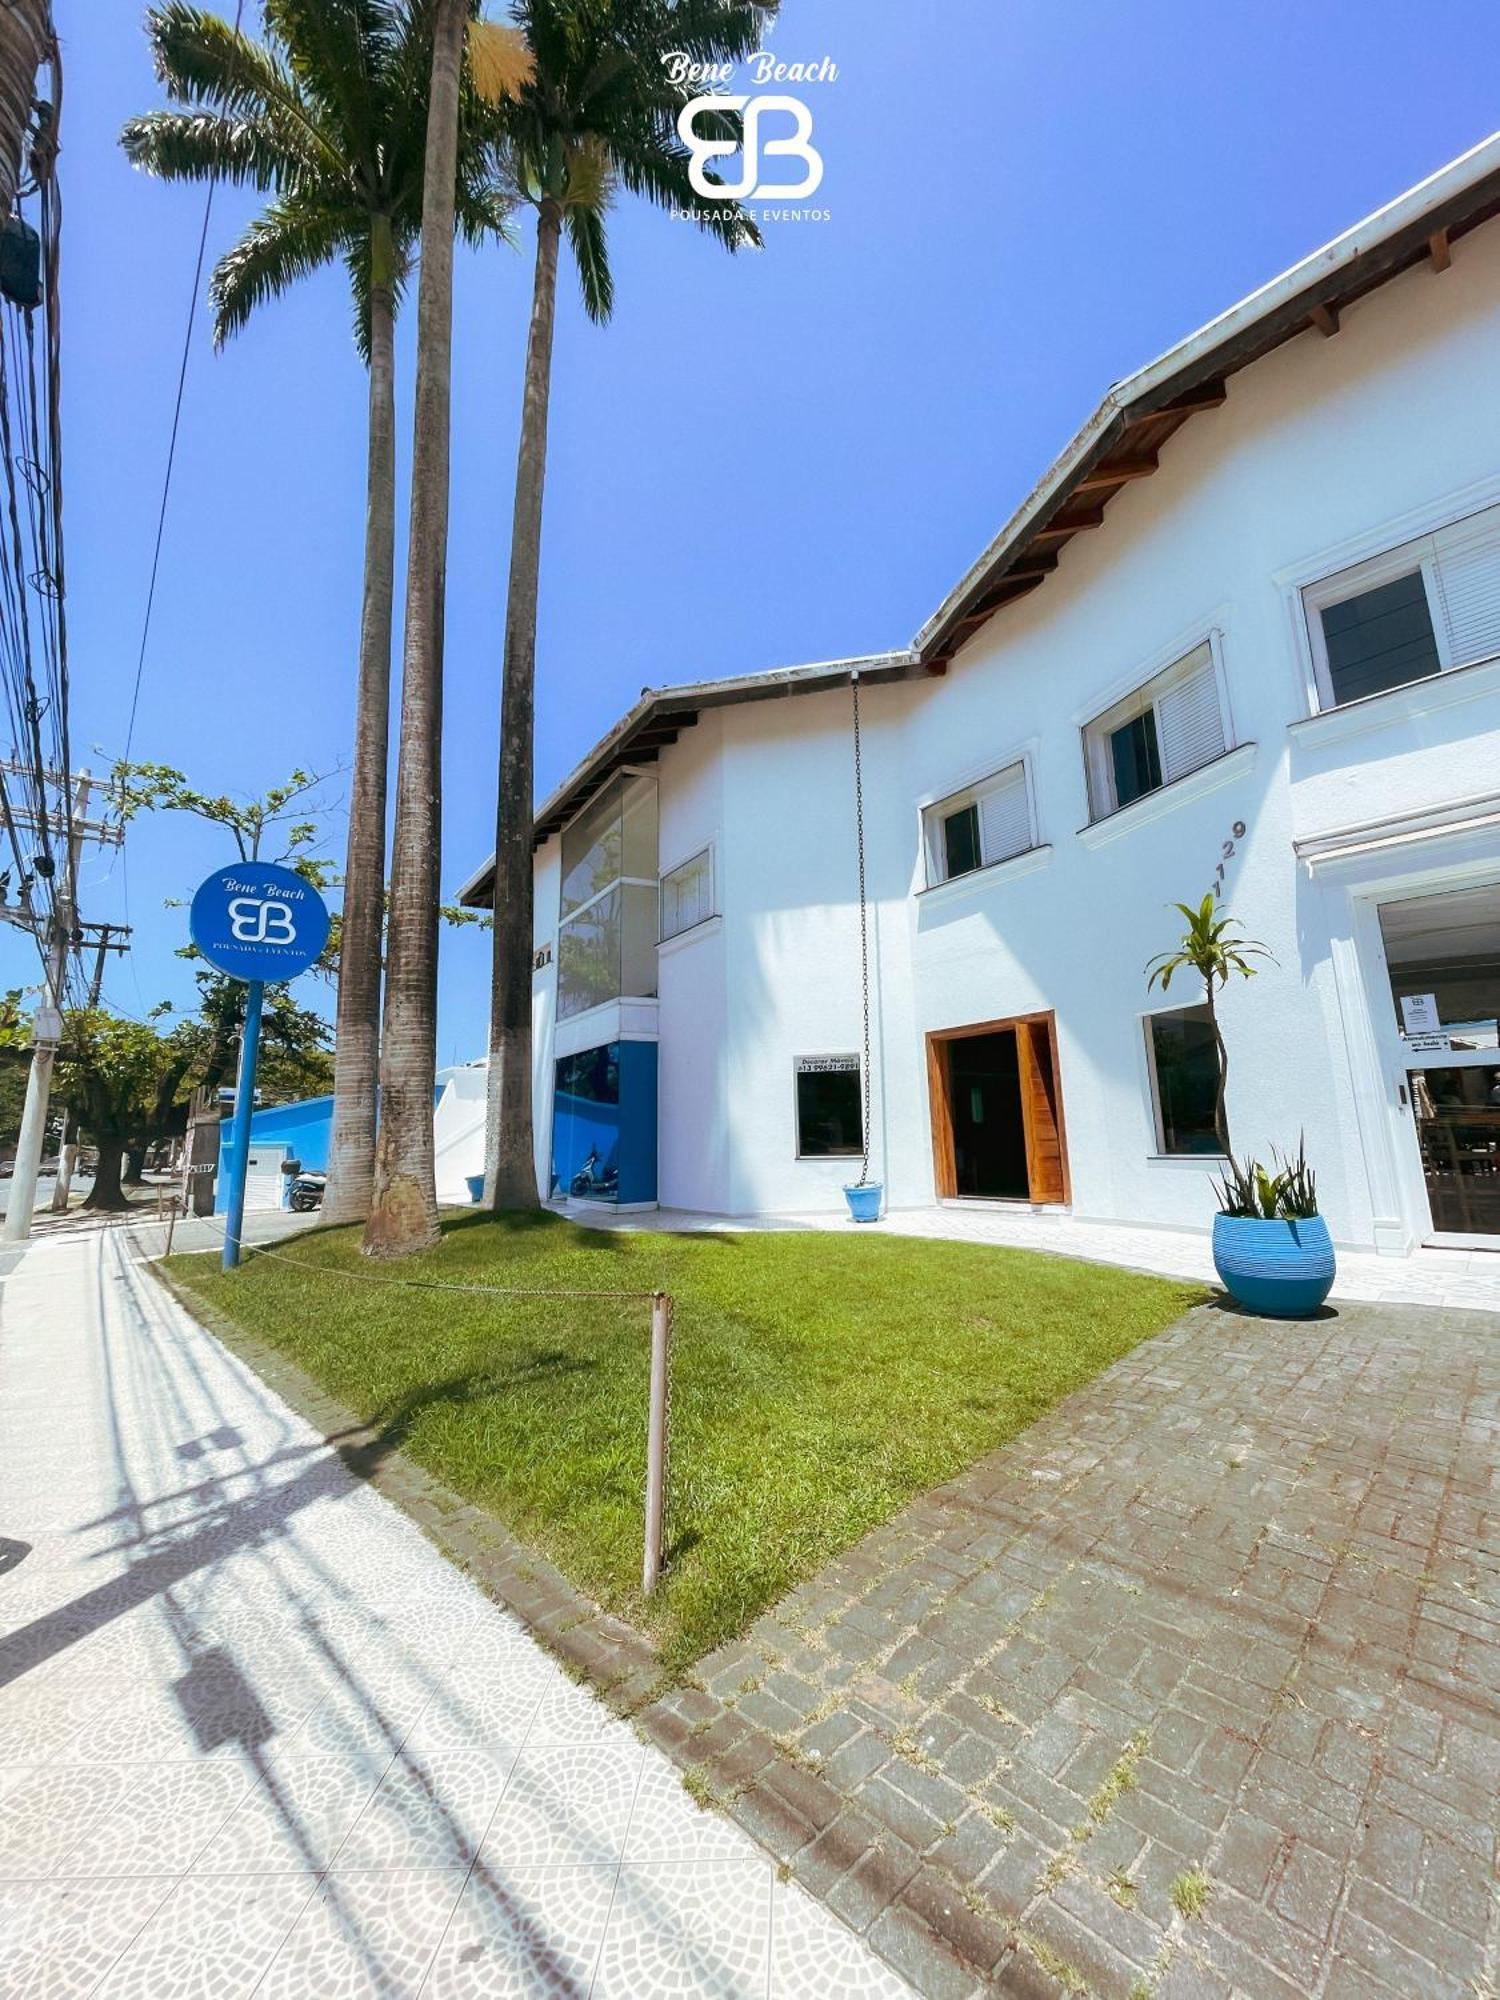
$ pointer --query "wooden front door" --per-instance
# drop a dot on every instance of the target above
(997, 1118)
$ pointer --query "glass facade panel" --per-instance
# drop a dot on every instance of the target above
(638, 941)
(1457, 1113)
(606, 941)
(592, 849)
(1443, 952)
(638, 818)
(586, 1125)
(588, 956)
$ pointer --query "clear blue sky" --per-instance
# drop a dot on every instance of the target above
(763, 460)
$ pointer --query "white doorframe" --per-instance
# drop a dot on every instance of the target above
(1402, 1214)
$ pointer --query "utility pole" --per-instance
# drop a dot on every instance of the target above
(46, 1032)
(100, 943)
(67, 1156)
(67, 1153)
(46, 1029)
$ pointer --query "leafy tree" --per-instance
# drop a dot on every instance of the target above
(15, 1064)
(1210, 948)
(128, 1082)
(268, 821)
(294, 1059)
(595, 111)
(329, 117)
(112, 1074)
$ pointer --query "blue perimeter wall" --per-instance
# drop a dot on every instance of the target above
(306, 1127)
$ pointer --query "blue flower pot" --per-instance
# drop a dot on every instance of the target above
(476, 1186)
(1282, 1269)
(864, 1201)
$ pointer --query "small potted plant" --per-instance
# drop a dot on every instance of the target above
(1271, 1247)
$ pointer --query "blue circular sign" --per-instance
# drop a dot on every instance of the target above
(258, 921)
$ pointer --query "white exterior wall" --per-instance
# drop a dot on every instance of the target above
(693, 1057)
(1326, 451)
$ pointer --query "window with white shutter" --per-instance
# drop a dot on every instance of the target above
(985, 823)
(1468, 585)
(1420, 609)
(1171, 725)
(1190, 721)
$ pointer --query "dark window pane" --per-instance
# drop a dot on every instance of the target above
(1135, 759)
(828, 1112)
(1186, 1062)
(961, 841)
(1381, 639)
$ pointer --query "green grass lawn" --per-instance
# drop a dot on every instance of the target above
(819, 1381)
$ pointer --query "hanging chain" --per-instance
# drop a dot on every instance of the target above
(864, 934)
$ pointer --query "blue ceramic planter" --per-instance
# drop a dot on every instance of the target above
(864, 1202)
(1282, 1269)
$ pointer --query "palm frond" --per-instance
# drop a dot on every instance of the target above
(201, 59)
(288, 242)
(339, 52)
(202, 145)
(501, 63)
(585, 227)
(485, 209)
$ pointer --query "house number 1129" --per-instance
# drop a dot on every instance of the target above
(1236, 834)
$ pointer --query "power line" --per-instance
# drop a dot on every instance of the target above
(166, 485)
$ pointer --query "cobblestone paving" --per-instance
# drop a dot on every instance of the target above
(258, 1736)
(1193, 1691)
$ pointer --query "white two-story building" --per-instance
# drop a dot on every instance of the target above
(1245, 635)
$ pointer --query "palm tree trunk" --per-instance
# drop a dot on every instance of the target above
(510, 1159)
(403, 1213)
(356, 1056)
(1221, 1117)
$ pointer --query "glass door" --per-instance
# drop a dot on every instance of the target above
(1443, 956)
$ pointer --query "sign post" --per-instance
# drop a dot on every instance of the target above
(257, 922)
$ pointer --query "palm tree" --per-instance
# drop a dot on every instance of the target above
(1209, 948)
(328, 115)
(403, 1213)
(595, 112)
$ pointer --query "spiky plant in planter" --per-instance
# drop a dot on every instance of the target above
(1271, 1246)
